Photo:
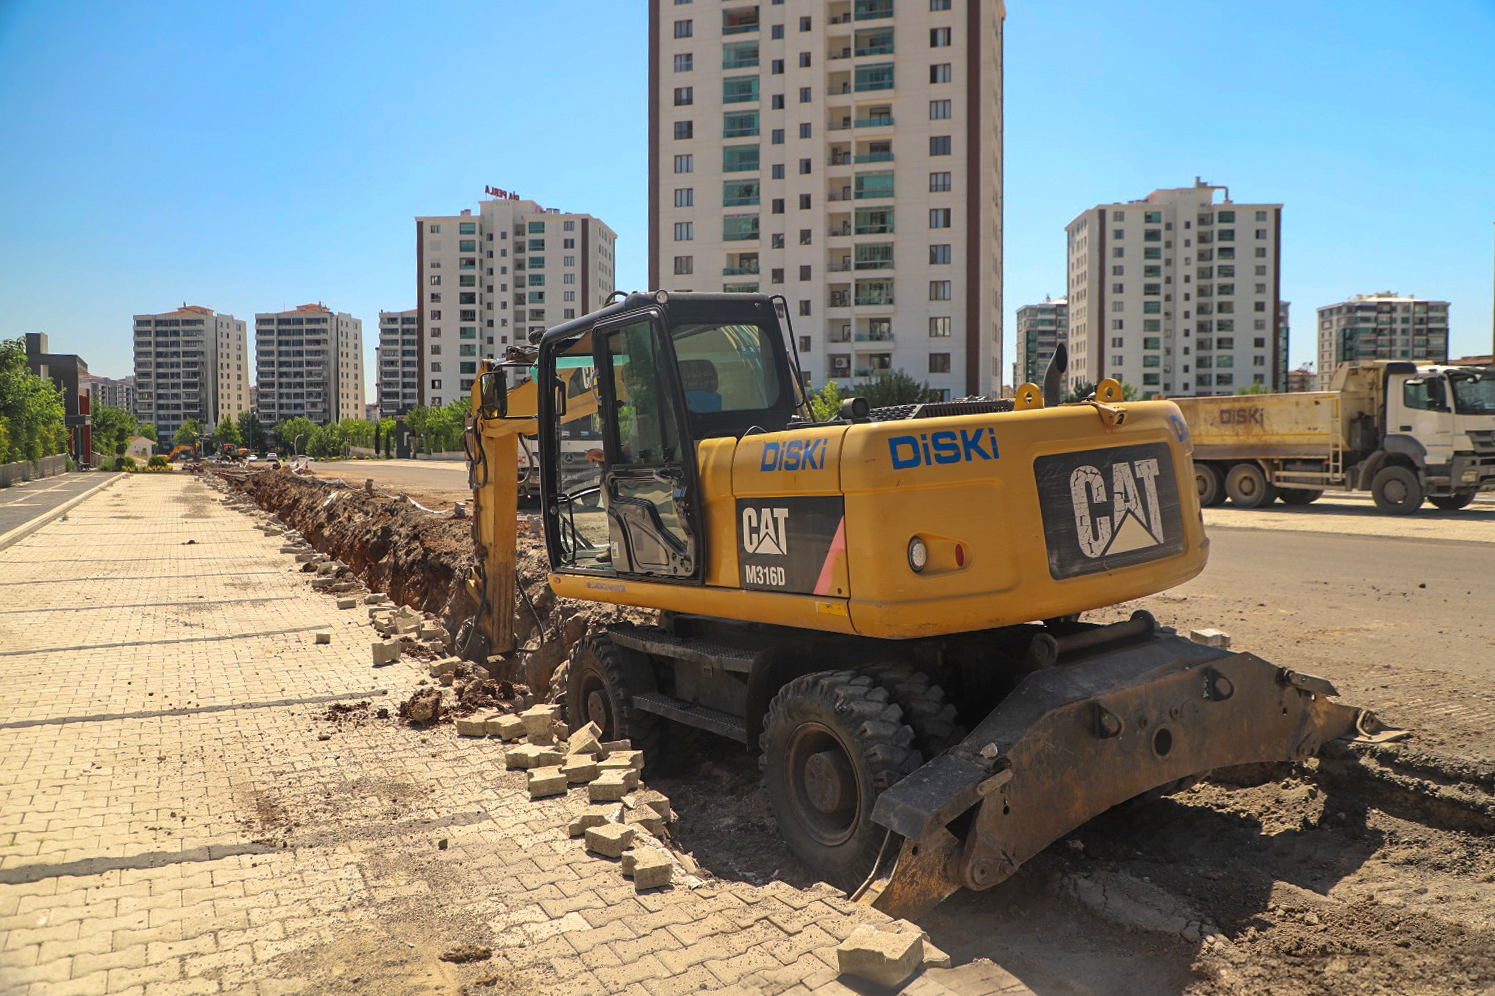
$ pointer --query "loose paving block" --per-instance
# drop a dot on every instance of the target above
(539, 719)
(386, 652)
(885, 958)
(657, 802)
(377, 598)
(615, 745)
(584, 741)
(1210, 638)
(507, 726)
(610, 786)
(327, 568)
(609, 839)
(347, 603)
(579, 768)
(306, 558)
(548, 781)
(543, 739)
(934, 957)
(624, 759)
(444, 666)
(592, 816)
(651, 869)
(472, 726)
(324, 637)
(531, 756)
(646, 820)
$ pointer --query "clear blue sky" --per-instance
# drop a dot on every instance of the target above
(251, 157)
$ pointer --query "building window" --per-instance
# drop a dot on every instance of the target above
(684, 96)
(804, 129)
(776, 137)
(739, 158)
(939, 218)
(804, 308)
(776, 206)
(776, 32)
(739, 55)
(685, 164)
(435, 228)
(740, 193)
(740, 90)
(804, 60)
(804, 202)
(804, 343)
(683, 29)
(778, 171)
(684, 231)
(776, 276)
(876, 77)
(939, 145)
(939, 290)
(804, 95)
(776, 67)
(804, 272)
(939, 363)
(939, 183)
(684, 265)
(939, 110)
(939, 255)
(939, 72)
(939, 328)
(939, 37)
(684, 129)
(777, 102)
(685, 197)
(804, 167)
(939, 4)
(804, 24)
(739, 124)
(740, 228)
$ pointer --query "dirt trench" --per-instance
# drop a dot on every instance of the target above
(423, 560)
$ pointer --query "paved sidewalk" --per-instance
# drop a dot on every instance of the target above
(24, 502)
(177, 817)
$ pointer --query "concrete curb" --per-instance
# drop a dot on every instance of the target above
(26, 529)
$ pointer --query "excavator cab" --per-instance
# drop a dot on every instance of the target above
(672, 371)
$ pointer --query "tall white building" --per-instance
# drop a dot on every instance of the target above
(190, 363)
(399, 361)
(310, 363)
(116, 392)
(1040, 327)
(844, 154)
(1177, 293)
(489, 279)
(1384, 326)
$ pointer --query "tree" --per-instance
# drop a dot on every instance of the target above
(1255, 389)
(894, 387)
(112, 429)
(295, 433)
(148, 431)
(251, 431)
(825, 404)
(31, 408)
(440, 429)
(188, 433)
(227, 432)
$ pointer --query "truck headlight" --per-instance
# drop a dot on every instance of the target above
(918, 554)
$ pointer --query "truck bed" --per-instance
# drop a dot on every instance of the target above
(1263, 426)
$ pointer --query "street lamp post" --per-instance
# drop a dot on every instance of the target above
(296, 444)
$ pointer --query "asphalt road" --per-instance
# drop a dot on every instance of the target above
(21, 503)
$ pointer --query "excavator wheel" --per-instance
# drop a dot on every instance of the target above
(832, 742)
(935, 725)
(591, 688)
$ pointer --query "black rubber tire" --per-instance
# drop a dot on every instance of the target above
(596, 690)
(1451, 503)
(1210, 484)
(850, 715)
(933, 719)
(1299, 496)
(1247, 486)
(1396, 490)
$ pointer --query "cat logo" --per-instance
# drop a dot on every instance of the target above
(765, 531)
(1121, 517)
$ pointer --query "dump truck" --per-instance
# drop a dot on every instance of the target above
(884, 606)
(1403, 432)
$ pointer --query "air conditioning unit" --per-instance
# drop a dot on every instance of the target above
(841, 363)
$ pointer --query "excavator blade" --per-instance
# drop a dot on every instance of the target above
(1074, 740)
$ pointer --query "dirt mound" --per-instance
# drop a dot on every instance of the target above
(423, 708)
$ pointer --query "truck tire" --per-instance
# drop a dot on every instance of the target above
(1451, 503)
(596, 691)
(1210, 484)
(832, 743)
(925, 708)
(1247, 486)
(1396, 490)
(1299, 496)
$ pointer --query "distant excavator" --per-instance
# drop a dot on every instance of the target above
(884, 605)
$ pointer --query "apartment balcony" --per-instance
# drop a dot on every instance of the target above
(746, 269)
(878, 121)
(839, 299)
(875, 335)
(838, 231)
(874, 157)
(874, 301)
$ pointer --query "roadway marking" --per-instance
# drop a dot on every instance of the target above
(109, 717)
(157, 643)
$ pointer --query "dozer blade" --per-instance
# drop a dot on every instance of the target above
(1072, 741)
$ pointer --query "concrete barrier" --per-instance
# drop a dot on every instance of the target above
(24, 470)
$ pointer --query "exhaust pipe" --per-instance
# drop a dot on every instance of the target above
(1058, 364)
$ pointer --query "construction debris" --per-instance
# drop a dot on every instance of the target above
(880, 956)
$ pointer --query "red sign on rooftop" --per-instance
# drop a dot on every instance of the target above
(503, 195)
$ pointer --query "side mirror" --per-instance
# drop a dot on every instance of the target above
(493, 395)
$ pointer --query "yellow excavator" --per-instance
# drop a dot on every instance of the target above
(884, 605)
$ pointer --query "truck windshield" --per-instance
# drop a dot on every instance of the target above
(725, 368)
(1474, 393)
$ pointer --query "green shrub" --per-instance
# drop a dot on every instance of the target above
(158, 462)
(126, 463)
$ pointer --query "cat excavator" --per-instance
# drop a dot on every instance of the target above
(885, 605)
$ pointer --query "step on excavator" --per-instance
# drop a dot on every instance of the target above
(885, 606)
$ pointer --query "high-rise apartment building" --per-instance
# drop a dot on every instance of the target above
(399, 361)
(844, 154)
(489, 279)
(1384, 326)
(1177, 293)
(1039, 328)
(310, 363)
(115, 392)
(190, 363)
